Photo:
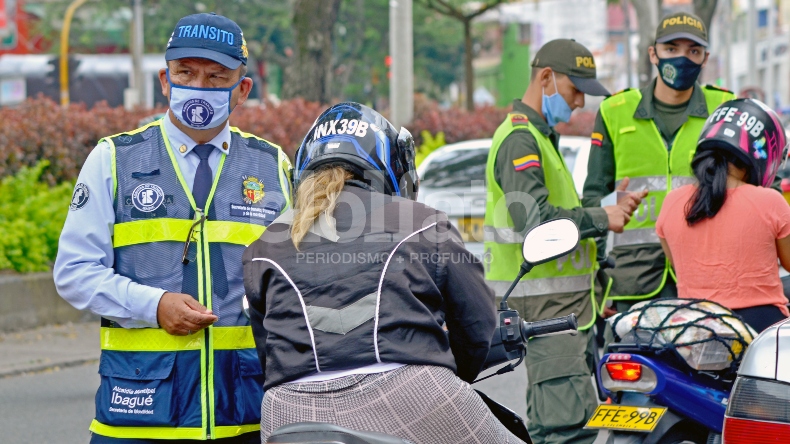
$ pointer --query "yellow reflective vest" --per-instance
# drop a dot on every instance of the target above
(572, 273)
(641, 155)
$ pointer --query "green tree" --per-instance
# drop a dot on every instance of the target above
(359, 39)
(362, 44)
(99, 25)
(309, 74)
(464, 12)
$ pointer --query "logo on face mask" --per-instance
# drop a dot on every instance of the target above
(669, 73)
(197, 112)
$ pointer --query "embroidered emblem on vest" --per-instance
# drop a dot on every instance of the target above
(252, 189)
(148, 197)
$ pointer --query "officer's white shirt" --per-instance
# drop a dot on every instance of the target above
(83, 269)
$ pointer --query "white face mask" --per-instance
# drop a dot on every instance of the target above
(200, 108)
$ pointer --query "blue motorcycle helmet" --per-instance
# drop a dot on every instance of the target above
(363, 142)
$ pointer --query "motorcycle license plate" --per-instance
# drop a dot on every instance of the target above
(623, 417)
(471, 229)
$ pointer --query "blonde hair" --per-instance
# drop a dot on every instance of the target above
(316, 195)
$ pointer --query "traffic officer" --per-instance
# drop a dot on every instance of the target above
(528, 182)
(153, 241)
(650, 135)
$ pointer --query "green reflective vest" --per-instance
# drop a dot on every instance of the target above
(641, 155)
(572, 273)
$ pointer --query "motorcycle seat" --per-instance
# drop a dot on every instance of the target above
(324, 433)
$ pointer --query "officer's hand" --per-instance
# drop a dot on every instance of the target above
(608, 312)
(618, 217)
(180, 314)
(630, 202)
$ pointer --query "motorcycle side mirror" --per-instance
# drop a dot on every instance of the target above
(543, 243)
(550, 240)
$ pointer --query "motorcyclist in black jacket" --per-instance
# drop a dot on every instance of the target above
(367, 310)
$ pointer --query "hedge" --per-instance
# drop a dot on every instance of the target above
(40, 129)
(32, 214)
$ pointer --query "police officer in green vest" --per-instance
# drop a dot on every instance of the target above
(650, 136)
(157, 225)
(527, 183)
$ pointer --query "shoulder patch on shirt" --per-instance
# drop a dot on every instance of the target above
(518, 119)
(596, 139)
(80, 197)
(522, 163)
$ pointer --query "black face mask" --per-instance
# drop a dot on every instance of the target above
(678, 73)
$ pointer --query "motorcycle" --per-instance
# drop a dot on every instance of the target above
(545, 242)
(656, 396)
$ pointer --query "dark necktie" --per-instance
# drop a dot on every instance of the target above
(201, 187)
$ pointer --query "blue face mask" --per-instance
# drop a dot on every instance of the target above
(679, 73)
(555, 108)
(200, 108)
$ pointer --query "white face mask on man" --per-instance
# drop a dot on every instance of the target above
(200, 108)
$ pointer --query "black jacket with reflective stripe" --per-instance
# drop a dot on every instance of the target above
(379, 287)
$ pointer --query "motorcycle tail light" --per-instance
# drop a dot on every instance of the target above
(627, 376)
(624, 371)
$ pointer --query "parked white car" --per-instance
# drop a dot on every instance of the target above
(758, 410)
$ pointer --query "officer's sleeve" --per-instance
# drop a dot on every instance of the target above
(83, 271)
(471, 313)
(525, 189)
(600, 166)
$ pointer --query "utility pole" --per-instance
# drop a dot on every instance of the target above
(628, 63)
(137, 93)
(769, 59)
(726, 34)
(64, 52)
(751, 27)
(402, 68)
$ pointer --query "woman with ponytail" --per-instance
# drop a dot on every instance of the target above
(724, 234)
(367, 310)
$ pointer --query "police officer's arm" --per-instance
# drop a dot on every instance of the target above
(600, 166)
(592, 222)
(471, 314)
(83, 271)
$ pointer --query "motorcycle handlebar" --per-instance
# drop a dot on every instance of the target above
(556, 326)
